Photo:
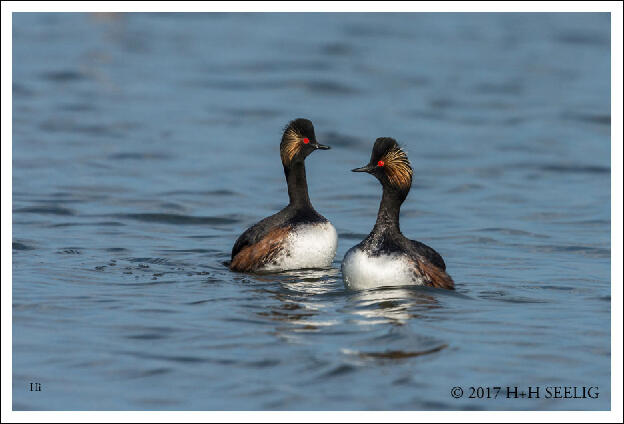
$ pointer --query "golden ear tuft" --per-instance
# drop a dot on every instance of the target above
(290, 146)
(398, 168)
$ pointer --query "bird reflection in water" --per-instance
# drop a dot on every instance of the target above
(395, 305)
(301, 297)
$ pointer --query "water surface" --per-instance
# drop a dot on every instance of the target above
(144, 144)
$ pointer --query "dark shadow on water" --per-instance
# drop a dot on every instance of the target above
(167, 218)
(140, 156)
(220, 192)
(399, 354)
(46, 210)
(575, 169)
(501, 296)
(21, 246)
(63, 76)
(600, 119)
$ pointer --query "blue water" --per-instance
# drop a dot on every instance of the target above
(144, 144)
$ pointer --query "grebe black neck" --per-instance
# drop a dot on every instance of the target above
(297, 185)
(389, 211)
(298, 141)
(389, 164)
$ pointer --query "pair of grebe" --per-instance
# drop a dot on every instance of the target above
(299, 237)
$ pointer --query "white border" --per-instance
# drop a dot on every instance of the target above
(312, 6)
(615, 415)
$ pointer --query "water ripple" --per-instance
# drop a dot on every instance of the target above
(168, 218)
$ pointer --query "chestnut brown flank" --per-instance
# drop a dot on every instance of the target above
(435, 276)
(253, 257)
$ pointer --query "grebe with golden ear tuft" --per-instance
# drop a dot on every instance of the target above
(386, 257)
(297, 236)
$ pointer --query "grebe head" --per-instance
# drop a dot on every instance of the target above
(298, 141)
(389, 164)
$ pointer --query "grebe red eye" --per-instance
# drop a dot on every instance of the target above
(306, 140)
(380, 163)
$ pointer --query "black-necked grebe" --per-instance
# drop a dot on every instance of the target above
(386, 257)
(297, 236)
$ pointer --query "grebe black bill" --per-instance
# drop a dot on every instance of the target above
(297, 236)
(386, 257)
